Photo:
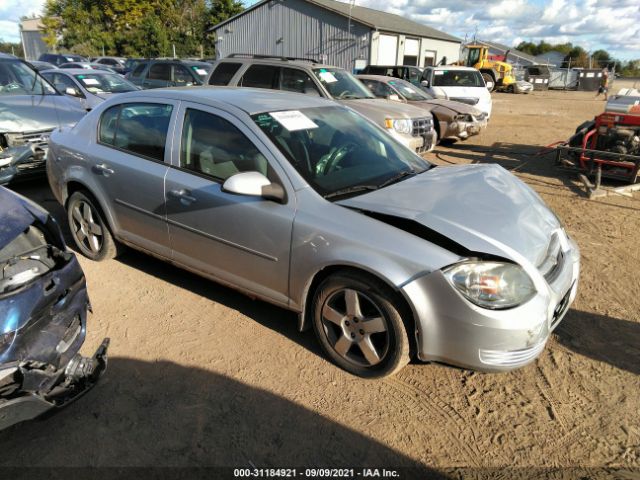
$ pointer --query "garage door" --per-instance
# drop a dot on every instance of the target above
(411, 51)
(387, 49)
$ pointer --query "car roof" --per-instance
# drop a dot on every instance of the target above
(78, 71)
(250, 100)
(380, 78)
(277, 61)
(453, 67)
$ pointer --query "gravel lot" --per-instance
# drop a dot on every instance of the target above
(200, 375)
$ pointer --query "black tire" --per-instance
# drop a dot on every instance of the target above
(370, 352)
(89, 230)
(488, 78)
(511, 89)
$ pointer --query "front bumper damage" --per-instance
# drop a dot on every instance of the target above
(33, 388)
(464, 128)
(20, 160)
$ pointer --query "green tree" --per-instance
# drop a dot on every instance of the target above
(134, 27)
(13, 48)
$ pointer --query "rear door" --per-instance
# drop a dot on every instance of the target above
(158, 76)
(240, 240)
(130, 163)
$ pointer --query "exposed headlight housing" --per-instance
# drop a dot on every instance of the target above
(400, 125)
(494, 285)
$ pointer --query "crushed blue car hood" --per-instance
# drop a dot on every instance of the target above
(481, 207)
(17, 215)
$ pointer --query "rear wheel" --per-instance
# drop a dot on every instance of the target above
(89, 230)
(358, 323)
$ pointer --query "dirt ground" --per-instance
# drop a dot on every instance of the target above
(200, 375)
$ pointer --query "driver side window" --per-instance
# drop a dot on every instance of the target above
(214, 147)
(379, 89)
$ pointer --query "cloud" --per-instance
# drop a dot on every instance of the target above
(10, 13)
(594, 24)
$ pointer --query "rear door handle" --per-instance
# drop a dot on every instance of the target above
(183, 195)
(104, 169)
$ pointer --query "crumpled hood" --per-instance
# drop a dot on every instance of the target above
(458, 107)
(17, 215)
(484, 208)
(29, 113)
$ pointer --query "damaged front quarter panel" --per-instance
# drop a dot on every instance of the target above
(12, 157)
(43, 312)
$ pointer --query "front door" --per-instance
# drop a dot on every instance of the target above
(238, 239)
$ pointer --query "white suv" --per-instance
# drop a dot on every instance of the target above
(462, 84)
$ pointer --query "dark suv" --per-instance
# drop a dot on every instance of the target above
(59, 59)
(165, 73)
(405, 72)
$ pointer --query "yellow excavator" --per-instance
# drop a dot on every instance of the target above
(497, 74)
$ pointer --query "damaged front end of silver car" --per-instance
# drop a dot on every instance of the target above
(15, 160)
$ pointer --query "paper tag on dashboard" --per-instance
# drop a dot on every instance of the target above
(201, 71)
(328, 77)
(90, 81)
(293, 120)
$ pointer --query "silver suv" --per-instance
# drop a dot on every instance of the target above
(410, 125)
(304, 203)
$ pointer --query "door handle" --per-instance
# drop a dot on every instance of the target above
(183, 195)
(104, 169)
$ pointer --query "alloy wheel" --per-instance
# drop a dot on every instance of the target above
(85, 228)
(355, 327)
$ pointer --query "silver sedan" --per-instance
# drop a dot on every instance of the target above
(304, 203)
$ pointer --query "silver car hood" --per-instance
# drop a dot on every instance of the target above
(28, 113)
(378, 109)
(483, 208)
(457, 107)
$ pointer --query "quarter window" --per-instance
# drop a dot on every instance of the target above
(160, 71)
(223, 73)
(297, 81)
(139, 69)
(260, 76)
(181, 75)
(139, 128)
(213, 146)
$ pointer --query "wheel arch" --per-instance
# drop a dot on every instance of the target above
(408, 312)
(75, 185)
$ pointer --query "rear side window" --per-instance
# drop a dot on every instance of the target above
(260, 76)
(223, 73)
(139, 128)
(160, 71)
(139, 69)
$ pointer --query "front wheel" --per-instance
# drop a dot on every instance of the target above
(89, 230)
(358, 323)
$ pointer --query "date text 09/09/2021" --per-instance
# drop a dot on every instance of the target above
(315, 473)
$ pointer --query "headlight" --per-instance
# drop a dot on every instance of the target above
(494, 285)
(400, 125)
(463, 118)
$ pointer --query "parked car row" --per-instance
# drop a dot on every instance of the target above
(283, 190)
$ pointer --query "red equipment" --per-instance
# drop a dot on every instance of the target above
(608, 146)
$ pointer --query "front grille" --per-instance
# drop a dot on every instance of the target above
(467, 100)
(421, 126)
(561, 309)
(40, 139)
(34, 165)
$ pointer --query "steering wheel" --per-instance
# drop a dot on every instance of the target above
(338, 154)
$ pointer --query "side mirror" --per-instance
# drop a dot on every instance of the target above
(72, 91)
(425, 83)
(253, 184)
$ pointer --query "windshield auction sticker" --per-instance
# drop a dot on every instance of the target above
(293, 120)
(328, 77)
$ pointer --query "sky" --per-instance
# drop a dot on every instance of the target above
(613, 25)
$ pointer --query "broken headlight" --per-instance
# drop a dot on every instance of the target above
(494, 285)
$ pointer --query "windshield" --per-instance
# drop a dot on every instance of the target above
(341, 84)
(457, 78)
(409, 91)
(17, 78)
(105, 83)
(337, 151)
